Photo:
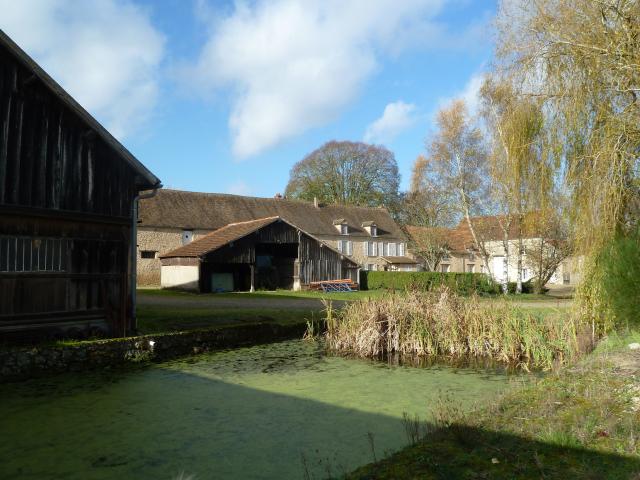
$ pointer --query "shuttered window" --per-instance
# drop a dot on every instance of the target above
(33, 254)
(346, 247)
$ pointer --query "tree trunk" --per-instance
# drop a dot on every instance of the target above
(520, 249)
(505, 263)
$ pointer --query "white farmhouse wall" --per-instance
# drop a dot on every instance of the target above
(183, 277)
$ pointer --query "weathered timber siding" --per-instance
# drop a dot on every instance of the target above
(318, 263)
(60, 182)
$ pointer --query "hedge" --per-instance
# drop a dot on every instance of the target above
(461, 283)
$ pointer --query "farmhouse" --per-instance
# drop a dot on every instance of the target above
(68, 193)
(366, 237)
(459, 252)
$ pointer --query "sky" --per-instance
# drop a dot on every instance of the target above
(226, 96)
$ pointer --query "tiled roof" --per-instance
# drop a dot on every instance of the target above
(459, 238)
(456, 239)
(211, 211)
(219, 238)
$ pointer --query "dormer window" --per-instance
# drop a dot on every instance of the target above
(342, 226)
(371, 228)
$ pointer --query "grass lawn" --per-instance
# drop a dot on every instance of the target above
(305, 294)
(156, 319)
(581, 422)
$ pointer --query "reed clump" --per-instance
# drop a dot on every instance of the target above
(441, 323)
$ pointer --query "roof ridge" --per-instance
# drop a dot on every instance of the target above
(275, 217)
(284, 199)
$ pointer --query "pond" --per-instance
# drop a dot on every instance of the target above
(284, 410)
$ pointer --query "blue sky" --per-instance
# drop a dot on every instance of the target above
(225, 96)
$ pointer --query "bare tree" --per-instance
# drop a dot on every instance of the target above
(458, 160)
(428, 202)
(428, 244)
(518, 161)
(552, 246)
(350, 173)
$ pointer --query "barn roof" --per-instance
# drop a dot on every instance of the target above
(211, 211)
(149, 179)
(219, 238)
(230, 233)
(400, 260)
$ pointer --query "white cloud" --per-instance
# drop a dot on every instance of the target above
(295, 64)
(397, 117)
(239, 188)
(471, 92)
(105, 53)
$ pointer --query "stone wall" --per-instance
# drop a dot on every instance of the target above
(19, 363)
(160, 240)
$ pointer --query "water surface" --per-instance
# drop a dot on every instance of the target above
(280, 411)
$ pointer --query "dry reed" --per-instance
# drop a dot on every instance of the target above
(440, 323)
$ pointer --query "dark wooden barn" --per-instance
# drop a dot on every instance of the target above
(267, 253)
(68, 193)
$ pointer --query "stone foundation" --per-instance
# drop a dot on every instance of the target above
(20, 363)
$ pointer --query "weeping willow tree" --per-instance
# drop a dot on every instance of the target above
(581, 60)
(519, 163)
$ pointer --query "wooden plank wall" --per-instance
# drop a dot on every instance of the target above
(49, 159)
(318, 263)
(60, 182)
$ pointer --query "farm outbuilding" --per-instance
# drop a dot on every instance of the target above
(267, 253)
(68, 194)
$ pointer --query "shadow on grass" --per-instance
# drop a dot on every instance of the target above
(463, 452)
(193, 417)
(156, 319)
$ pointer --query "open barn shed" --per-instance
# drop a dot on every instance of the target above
(267, 253)
(68, 193)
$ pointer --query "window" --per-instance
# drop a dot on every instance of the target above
(344, 229)
(401, 250)
(147, 254)
(444, 268)
(374, 231)
(346, 247)
(370, 266)
(382, 249)
(392, 250)
(34, 254)
(372, 249)
(187, 236)
(525, 273)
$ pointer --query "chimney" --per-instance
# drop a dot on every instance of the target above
(278, 196)
(315, 202)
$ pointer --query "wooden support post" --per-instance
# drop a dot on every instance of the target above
(253, 275)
